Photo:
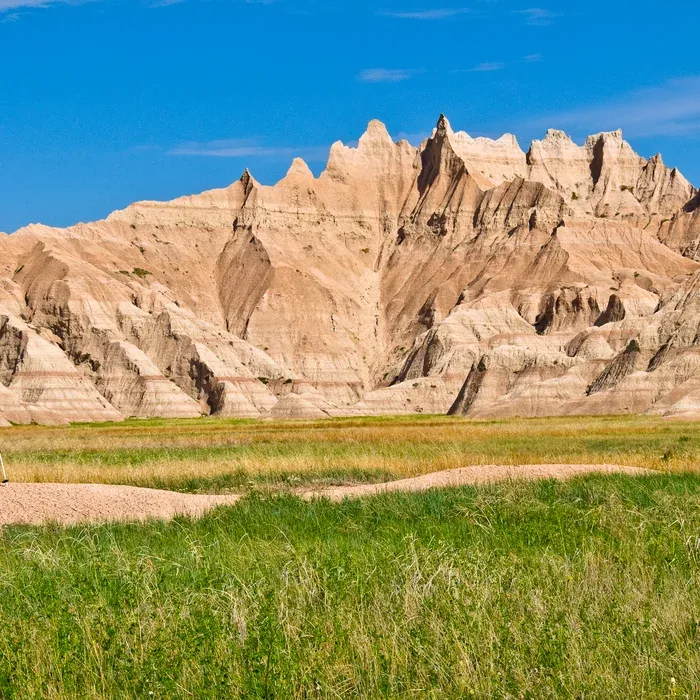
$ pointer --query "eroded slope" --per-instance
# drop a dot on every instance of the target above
(463, 275)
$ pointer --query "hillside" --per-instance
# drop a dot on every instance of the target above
(464, 275)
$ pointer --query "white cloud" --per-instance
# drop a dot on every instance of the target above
(444, 13)
(488, 67)
(672, 109)
(537, 16)
(247, 148)
(6, 5)
(385, 75)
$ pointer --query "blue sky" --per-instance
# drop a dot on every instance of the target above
(110, 101)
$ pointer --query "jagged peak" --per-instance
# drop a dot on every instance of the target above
(443, 126)
(442, 151)
(556, 135)
(606, 136)
(508, 139)
(677, 175)
(605, 140)
(299, 167)
(248, 181)
(460, 143)
(443, 137)
(464, 136)
(376, 131)
(337, 146)
(555, 141)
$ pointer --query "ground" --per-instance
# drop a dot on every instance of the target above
(585, 588)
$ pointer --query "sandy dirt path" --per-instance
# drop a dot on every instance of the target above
(34, 504)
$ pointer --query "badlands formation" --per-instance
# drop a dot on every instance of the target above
(462, 276)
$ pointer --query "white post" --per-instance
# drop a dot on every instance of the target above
(4, 473)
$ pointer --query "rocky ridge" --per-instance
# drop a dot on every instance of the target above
(464, 275)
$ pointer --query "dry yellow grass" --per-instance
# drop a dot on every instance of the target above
(222, 455)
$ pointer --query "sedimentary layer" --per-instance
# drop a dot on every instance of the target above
(464, 275)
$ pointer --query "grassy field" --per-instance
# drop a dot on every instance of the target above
(210, 455)
(584, 589)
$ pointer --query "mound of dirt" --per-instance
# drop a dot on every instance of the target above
(33, 504)
(68, 504)
(473, 476)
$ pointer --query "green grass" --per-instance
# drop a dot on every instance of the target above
(585, 589)
(214, 455)
(241, 481)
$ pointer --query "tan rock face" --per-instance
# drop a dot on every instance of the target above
(463, 275)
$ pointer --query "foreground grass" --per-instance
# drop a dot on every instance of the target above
(587, 589)
(214, 455)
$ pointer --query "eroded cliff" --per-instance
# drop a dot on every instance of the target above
(464, 275)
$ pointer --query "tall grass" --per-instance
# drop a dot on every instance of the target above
(585, 589)
(210, 455)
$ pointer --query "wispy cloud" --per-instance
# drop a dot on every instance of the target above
(386, 75)
(537, 16)
(247, 148)
(6, 5)
(397, 75)
(488, 67)
(672, 109)
(164, 3)
(443, 13)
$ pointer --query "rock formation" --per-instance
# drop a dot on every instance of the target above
(464, 275)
